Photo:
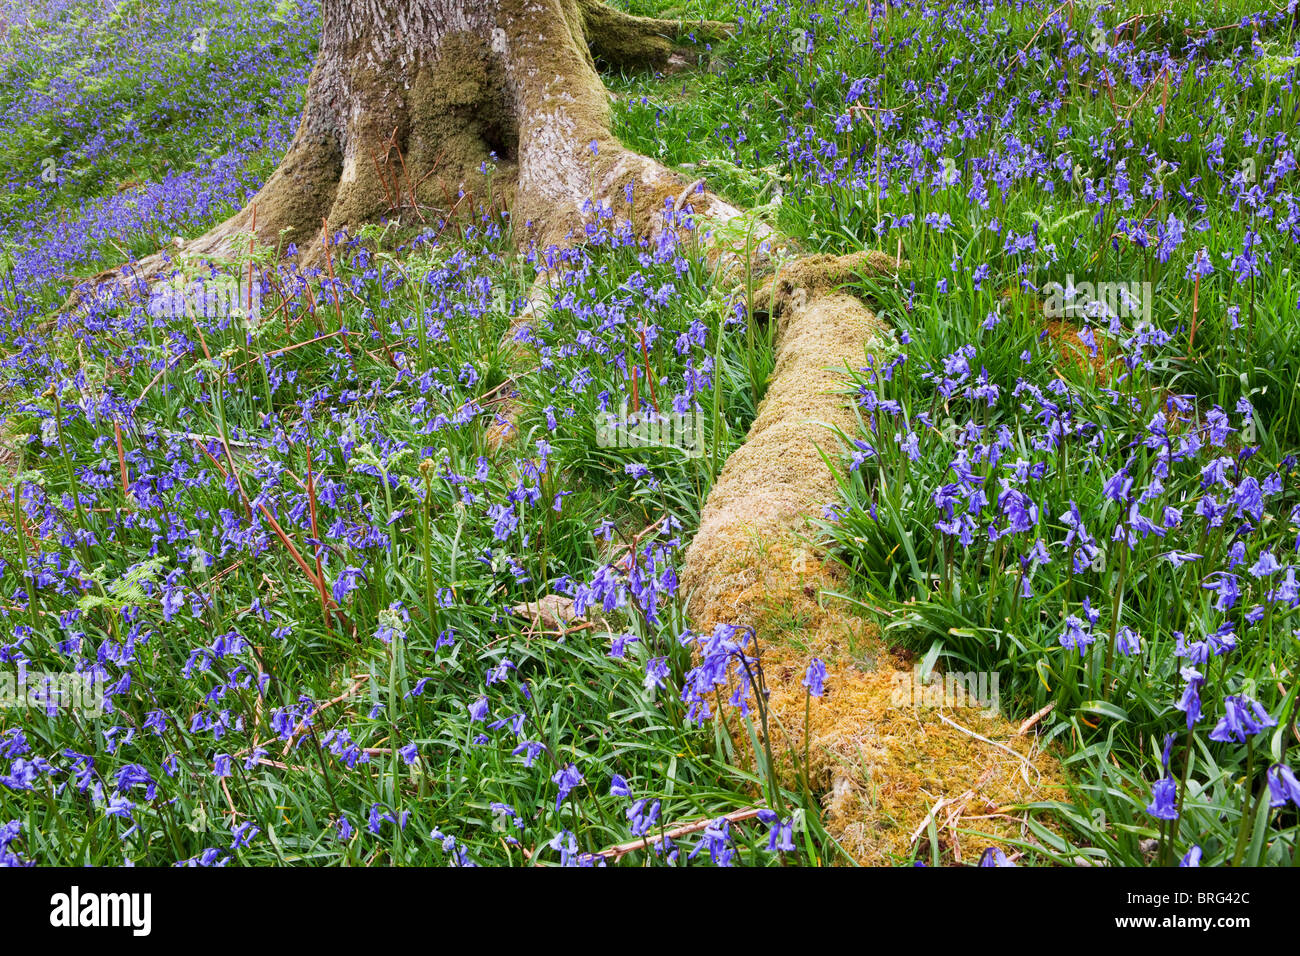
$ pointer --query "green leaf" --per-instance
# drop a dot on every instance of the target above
(1104, 708)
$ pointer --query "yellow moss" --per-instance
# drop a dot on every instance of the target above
(879, 762)
(1070, 349)
(649, 201)
(880, 767)
(504, 426)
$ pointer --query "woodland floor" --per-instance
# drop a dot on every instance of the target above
(977, 546)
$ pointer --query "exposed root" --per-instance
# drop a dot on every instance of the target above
(796, 283)
(621, 41)
(880, 762)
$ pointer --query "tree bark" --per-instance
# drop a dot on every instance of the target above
(420, 110)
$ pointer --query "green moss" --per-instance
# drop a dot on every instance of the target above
(621, 41)
(625, 42)
(460, 115)
(807, 277)
(299, 192)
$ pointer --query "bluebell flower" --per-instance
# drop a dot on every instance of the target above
(530, 750)
(1282, 786)
(1164, 799)
(1127, 641)
(1242, 718)
(1076, 635)
(716, 838)
(643, 815)
(567, 778)
(656, 673)
(993, 856)
(815, 678)
(780, 836)
(1190, 702)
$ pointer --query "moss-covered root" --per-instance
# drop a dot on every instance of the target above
(881, 759)
(621, 41)
(799, 281)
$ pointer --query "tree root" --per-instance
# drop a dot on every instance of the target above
(797, 282)
(621, 41)
(878, 759)
(550, 134)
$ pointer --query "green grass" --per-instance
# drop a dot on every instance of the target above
(369, 450)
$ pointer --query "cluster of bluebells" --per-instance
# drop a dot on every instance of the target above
(394, 464)
(9, 834)
(205, 513)
(231, 67)
(169, 456)
(1136, 540)
(716, 842)
(874, 142)
(1173, 503)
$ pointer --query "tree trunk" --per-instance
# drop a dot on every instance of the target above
(421, 109)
